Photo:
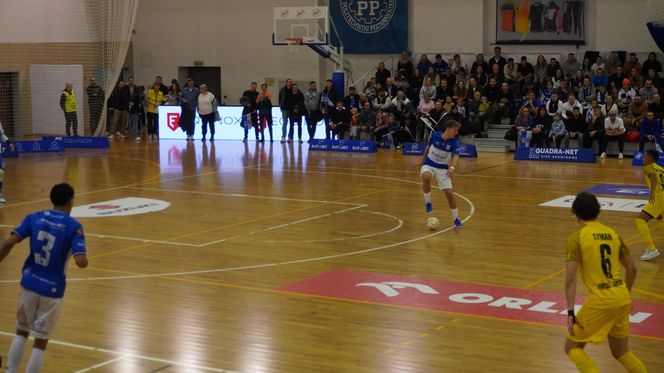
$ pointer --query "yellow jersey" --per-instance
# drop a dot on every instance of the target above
(658, 171)
(598, 249)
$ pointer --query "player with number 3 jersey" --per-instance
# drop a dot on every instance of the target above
(595, 252)
(54, 238)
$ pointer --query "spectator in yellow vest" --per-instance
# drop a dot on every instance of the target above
(68, 106)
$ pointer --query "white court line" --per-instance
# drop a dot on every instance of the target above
(102, 364)
(314, 217)
(246, 196)
(125, 355)
(398, 226)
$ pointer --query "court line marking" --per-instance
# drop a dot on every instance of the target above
(397, 227)
(104, 363)
(544, 278)
(129, 355)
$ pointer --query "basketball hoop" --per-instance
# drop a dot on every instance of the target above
(293, 43)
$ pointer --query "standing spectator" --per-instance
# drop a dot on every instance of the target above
(161, 86)
(575, 125)
(651, 63)
(440, 65)
(68, 106)
(614, 130)
(136, 109)
(207, 107)
(312, 103)
(264, 102)
(120, 99)
(250, 111)
(427, 88)
(571, 66)
(174, 96)
(339, 121)
(382, 74)
(647, 91)
(557, 132)
(189, 104)
(650, 130)
(632, 63)
(328, 98)
(479, 61)
(130, 85)
(405, 66)
(286, 105)
(95, 103)
(541, 127)
(497, 58)
(296, 113)
(595, 128)
(154, 98)
(352, 100)
(424, 65)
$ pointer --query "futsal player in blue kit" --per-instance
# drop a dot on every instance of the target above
(54, 238)
(440, 159)
(4, 139)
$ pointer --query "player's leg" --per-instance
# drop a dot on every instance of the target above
(648, 212)
(37, 357)
(2, 180)
(46, 317)
(426, 176)
(579, 357)
(620, 351)
(15, 354)
(445, 184)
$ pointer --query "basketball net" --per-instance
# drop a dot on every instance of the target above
(293, 44)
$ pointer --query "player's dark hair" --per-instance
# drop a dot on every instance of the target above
(653, 153)
(61, 194)
(452, 123)
(585, 206)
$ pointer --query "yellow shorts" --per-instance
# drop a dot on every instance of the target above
(655, 209)
(594, 324)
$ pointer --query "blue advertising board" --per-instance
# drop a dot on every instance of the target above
(417, 148)
(85, 142)
(555, 155)
(353, 146)
(39, 146)
(620, 190)
(637, 159)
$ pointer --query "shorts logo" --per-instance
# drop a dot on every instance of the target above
(172, 120)
(368, 16)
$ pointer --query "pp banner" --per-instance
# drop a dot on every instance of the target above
(371, 26)
(352, 146)
(417, 148)
(84, 142)
(39, 146)
(555, 155)
(637, 159)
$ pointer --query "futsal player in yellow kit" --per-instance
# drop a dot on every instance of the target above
(654, 175)
(595, 252)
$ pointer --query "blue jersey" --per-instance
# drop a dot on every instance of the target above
(441, 151)
(54, 237)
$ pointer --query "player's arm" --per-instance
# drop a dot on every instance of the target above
(453, 164)
(653, 186)
(81, 260)
(628, 263)
(78, 249)
(426, 152)
(8, 245)
(572, 264)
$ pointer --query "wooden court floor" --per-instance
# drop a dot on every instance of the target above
(195, 287)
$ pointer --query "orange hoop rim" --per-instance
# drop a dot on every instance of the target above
(294, 40)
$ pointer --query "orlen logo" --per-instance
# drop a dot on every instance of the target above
(172, 120)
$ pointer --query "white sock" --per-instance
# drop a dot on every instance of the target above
(427, 197)
(36, 361)
(455, 213)
(15, 354)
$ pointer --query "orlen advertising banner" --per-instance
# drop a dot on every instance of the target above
(229, 128)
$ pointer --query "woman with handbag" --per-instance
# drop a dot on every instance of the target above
(207, 110)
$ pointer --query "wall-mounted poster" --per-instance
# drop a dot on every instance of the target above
(540, 22)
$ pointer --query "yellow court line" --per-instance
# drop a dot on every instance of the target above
(244, 222)
(412, 308)
(544, 278)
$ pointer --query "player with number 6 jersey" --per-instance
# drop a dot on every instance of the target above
(595, 252)
(54, 238)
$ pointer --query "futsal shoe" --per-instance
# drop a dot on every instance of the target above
(650, 254)
(620, 155)
(429, 207)
(2, 199)
(458, 224)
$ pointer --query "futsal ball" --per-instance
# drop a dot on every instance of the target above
(432, 223)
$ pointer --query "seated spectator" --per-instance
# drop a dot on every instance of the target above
(405, 65)
(612, 63)
(571, 66)
(428, 88)
(383, 101)
(510, 71)
(647, 91)
(399, 132)
(618, 77)
(531, 103)
(656, 80)
(637, 108)
(370, 89)
(381, 128)
(435, 78)
(563, 90)
(586, 92)
(497, 74)
(585, 67)
(367, 121)
(479, 61)
(625, 96)
(545, 93)
(390, 87)
(456, 64)
(568, 107)
(614, 130)
(339, 121)
(632, 63)
(480, 76)
(355, 124)
(447, 106)
(609, 105)
(504, 108)
(497, 58)
(382, 74)
(400, 104)
(600, 78)
(651, 63)
(425, 105)
(636, 78)
(491, 90)
(575, 125)
(409, 122)
(440, 65)
(657, 106)
(599, 64)
(576, 81)
(557, 132)
(444, 90)
(460, 75)
(555, 106)
(650, 130)
(539, 70)
(595, 126)
(601, 95)
(352, 100)
(424, 65)
(525, 69)
(524, 126)
(449, 76)
(552, 67)
(541, 125)
(460, 89)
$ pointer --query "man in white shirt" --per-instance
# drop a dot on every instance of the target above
(568, 107)
(614, 130)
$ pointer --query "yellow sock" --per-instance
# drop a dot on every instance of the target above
(582, 361)
(632, 363)
(642, 227)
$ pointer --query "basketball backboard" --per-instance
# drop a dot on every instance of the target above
(311, 23)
